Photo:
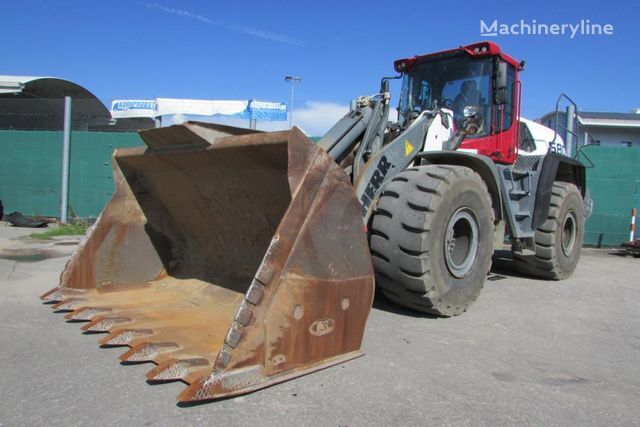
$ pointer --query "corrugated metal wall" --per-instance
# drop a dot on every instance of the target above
(614, 184)
(30, 169)
(30, 178)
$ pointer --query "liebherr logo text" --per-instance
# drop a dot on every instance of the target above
(374, 184)
(534, 28)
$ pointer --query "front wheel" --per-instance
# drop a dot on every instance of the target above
(432, 238)
(558, 241)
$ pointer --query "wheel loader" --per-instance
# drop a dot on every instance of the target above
(234, 259)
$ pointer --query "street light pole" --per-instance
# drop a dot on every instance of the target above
(293, 80)
(66, 138)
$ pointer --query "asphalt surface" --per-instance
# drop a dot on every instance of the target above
(527, 352)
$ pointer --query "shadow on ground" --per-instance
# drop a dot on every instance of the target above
(502, 268)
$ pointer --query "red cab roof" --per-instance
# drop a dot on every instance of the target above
(475, 49)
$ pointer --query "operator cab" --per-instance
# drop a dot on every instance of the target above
(452, 84)
(476, 82)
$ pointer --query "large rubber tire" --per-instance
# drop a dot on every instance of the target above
(558, 241)
(417, 211)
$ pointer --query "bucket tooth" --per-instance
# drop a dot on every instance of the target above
(59, 293)
(69, 304)
(215, 386)
(54, 294)
(147, 351)
(86, 313)
(104, 324)
(124, 337)
(175, 370)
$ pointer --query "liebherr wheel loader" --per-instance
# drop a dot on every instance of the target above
(234, 259)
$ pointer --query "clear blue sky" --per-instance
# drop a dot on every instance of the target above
(243, 49)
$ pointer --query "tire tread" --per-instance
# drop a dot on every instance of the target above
(403, 223)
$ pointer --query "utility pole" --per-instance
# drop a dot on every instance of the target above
(293, 80)
(66, 144)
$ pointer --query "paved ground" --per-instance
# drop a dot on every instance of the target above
(528, 352)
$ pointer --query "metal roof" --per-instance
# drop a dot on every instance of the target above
(609, 116)
(37, 103)
(605, 119)
(591, 118)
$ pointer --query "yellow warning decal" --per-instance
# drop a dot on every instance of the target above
(408, 148)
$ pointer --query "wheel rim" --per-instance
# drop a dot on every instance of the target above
(568, 236)
(461, 242)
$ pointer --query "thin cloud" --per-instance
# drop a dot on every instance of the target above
(316, 118)
(254, 32)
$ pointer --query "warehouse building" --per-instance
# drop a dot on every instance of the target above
(602, 129)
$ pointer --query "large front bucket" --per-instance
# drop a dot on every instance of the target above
(231, 262)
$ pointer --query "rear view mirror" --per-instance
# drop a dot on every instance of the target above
(501, 83)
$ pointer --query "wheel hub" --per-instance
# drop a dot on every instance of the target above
(461, 242)
(568, 236)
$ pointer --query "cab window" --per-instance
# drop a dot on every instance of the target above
(451, 83)
(505, 111)
(527, 143)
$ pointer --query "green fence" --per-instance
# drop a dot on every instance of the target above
(30, 169)
(30, 178)
(614, 183)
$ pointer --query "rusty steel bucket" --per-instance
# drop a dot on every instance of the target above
(231, 260)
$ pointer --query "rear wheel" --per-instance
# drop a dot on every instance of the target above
(431, 238)
(558, 241)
